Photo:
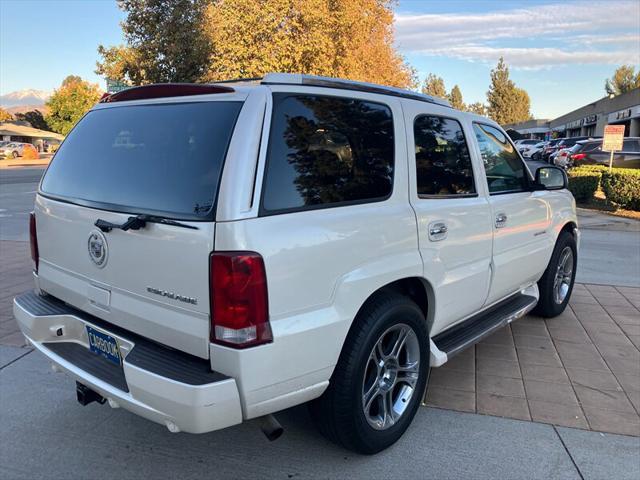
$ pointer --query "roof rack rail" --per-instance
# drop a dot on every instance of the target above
(329, 82)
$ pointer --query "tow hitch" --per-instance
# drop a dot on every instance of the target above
(86, 395)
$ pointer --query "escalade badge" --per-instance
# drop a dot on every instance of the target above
(97, 245)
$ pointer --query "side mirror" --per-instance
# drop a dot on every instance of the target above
(551, 178)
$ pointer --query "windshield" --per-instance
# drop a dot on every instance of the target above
(163, 159)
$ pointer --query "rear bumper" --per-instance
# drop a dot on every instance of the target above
(157, 383)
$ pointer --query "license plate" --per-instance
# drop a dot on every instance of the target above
(103, 345)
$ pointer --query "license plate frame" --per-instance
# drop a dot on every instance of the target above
(104, 345)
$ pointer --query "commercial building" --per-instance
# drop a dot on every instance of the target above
(588, 120)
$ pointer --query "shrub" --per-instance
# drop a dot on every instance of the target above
(622, 187)
(583, 184)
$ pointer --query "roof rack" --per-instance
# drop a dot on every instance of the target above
(329, 82)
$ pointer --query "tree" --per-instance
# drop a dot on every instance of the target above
(477, 108)
(70, 102)
(5, 116)
(506, 102)
(35, 119)
(455, 98)
(165, 43)
(434, 86)
(624, 79)
(350, 39)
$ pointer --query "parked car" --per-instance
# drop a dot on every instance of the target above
(15, 150)
(550, 148)
(533, 150)
(233, 250)
(559, 157)
(525, 143)
(589, 152)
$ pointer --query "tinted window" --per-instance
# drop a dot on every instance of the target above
(443, 165)
(631, 146)
(152, 158)
(503, 167)
(327, 150)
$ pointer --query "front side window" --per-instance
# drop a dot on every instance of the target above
(503, 167)
(443, 164)
(327, 151)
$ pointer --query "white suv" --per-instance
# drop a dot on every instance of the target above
(209, 254)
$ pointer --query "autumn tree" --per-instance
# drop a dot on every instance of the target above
(350, 39)
(5, 116)
(624, 79)
(34, 118)
(477, 108)
(455, 98)
(506, 102)
(165, 43)
(70, 102)
(434, 86)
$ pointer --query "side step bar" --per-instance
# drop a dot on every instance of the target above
(474, 329)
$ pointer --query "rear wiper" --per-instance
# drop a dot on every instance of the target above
(138, 222)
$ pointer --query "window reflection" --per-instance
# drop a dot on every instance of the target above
(328, 150)
(443, 165)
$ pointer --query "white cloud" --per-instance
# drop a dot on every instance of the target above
(585, 32)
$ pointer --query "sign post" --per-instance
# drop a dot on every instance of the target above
(612, 141)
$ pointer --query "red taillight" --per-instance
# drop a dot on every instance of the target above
(238, 297)
(33, 239)
(578, 156)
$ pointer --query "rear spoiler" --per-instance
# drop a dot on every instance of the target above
(161, 90)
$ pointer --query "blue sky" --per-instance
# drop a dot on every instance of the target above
(559, 51)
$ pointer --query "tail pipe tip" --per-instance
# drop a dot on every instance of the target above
(270, 427)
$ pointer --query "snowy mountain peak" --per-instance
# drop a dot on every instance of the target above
(24, 97)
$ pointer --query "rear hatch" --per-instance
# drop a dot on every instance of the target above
(162, 160)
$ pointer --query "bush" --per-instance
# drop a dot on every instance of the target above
(583, 184)
(622, 187)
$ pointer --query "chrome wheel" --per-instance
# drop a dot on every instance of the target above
(564, 276)
(390, 376)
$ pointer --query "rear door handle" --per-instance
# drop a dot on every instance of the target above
(501, 220)
(437, 231)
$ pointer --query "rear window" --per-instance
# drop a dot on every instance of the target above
(163, 159)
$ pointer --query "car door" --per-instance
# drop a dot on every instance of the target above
(521, 218)
(453, 216)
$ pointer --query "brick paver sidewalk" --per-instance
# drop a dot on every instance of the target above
(581, 369)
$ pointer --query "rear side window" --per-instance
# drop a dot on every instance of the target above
(327, 151)
(443, 164)
(503, 167)
(631, 146)
(164, 159)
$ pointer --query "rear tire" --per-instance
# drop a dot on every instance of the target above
(557, 281)
(373, 394)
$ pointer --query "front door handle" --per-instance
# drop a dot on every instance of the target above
(501, 220)
(437, 231)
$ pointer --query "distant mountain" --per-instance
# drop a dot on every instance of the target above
(27, 108)
(28, 97)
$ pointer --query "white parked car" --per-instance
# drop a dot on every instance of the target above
(531, 150)
(233, 250)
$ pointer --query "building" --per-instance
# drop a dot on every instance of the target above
(25, 133)
(589, 120)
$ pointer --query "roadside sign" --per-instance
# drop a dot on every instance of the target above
(613, 135)
(612, 141)
(114, 86)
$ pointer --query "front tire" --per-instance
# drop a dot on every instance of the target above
(380, 377)
(557, 281)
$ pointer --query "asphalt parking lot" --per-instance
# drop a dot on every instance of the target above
(44, 433)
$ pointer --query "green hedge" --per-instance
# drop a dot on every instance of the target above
(583, 184)
(622, 187)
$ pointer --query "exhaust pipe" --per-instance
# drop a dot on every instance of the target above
(270, 427)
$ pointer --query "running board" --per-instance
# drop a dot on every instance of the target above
(474, 329)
